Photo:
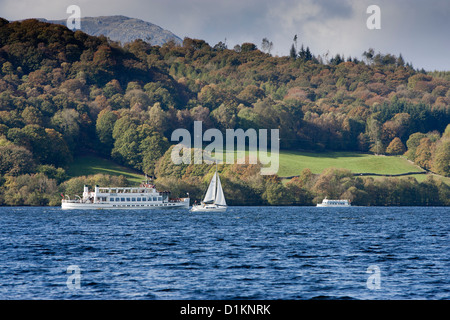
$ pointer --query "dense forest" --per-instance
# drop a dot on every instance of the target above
(65, 93)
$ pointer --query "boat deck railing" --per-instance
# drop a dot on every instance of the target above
(176, 200)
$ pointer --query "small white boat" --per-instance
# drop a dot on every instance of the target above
(334, 203)
(214, 200)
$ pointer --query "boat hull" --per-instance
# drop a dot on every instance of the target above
(333, 205)
(110, 206)
(208, 208)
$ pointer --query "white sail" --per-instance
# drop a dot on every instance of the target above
(220, 198)
(211, 193)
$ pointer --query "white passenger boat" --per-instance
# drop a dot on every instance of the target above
(143, 197)
(214, 200)
(334, 203)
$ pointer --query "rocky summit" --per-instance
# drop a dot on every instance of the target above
(124, 29)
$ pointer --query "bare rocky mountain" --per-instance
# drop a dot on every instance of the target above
(124, 29)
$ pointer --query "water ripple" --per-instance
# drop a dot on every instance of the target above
(246, 253)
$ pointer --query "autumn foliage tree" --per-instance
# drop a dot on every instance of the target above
(396, 147)
(441, 159)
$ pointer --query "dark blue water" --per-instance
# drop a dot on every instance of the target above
(246, 253)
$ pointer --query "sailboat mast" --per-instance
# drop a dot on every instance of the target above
(216, 188)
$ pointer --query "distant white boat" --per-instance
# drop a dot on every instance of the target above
(214, 200)
(334, 203)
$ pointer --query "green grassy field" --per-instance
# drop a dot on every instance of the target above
(90, 165)
(292, 163)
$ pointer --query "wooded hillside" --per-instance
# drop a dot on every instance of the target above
(65, 93)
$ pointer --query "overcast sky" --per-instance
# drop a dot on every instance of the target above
(419, 30)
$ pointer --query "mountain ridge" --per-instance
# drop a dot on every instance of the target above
(123, 29)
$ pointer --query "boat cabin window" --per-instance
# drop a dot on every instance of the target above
(128, 199)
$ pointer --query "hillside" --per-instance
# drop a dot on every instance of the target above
(92, 165)
(292, 163)
(124, 29)
(64, 94)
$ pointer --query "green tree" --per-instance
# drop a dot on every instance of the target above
(126, 147)
(220, 46)
(152, 147)
(158, 118)
(441, 159)
(373, 129)
(247, 118)
(276, 193)
(266, 45)
(424, 153)
(104, 127)
(446, 134)
(111, 88)
(251, 94)
(58, 152)
(248, 47)
(31, 190)
(32, 115)
(412, 144)
(47, 145)
(59, 174)
(167, 168)
(298, 193)
(67, 122)
(15, 160)
(329, 183)
(293, 52)
(225, 116)
(7, 68)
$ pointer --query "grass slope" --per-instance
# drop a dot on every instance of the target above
(91, 164)
(292, 163)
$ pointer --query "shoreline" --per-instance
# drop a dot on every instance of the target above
(243, 206)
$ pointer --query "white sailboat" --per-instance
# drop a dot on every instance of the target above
(214, 200)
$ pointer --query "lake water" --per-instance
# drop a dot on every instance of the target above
(260, 253)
